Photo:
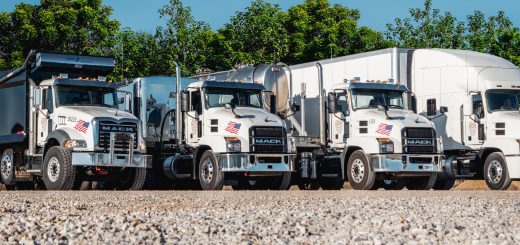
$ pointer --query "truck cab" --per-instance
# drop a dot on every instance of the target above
(75, 131)
(216, 132)
(383, 143)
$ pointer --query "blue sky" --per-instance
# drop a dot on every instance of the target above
(142, 15)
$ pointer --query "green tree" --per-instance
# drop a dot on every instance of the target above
(184, 39)
(427, 28)
(255, 35)
(318, 30)
(64, 26)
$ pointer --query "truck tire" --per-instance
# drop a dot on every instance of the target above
(7, 167)
(311, 185)
(58, 172)
(443, 182)
(332, 183)
(210, 176)
(359, 172)
(392, 184)
(128, 179)
(282, 182)
(496, 173)
(421, 183)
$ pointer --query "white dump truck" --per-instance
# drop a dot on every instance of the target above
(369, 135)
(60, 126)
(216, 132)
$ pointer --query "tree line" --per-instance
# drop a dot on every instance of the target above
(261, 33)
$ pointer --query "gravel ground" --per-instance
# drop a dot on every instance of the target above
(376, 217)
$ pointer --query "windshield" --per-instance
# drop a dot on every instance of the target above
(85, 96)
(503, 100)
(218, 97)
(365, 99)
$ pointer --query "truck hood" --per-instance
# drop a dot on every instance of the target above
(249, 117)
(401, 119)
(88, 113)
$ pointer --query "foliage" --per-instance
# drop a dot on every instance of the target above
(62, 26)
(427, 28)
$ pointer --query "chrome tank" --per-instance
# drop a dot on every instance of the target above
(272, 77)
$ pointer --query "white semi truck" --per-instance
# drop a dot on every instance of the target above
(60, 126)
(471, 98)
(369, 136)
(216, 132)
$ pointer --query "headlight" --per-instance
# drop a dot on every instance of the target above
(75, 144)
(142, 146)
(233, 144)
(385, 145)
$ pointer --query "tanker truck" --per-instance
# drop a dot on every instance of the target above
(210, 133)
(60, 126)
(365, 133)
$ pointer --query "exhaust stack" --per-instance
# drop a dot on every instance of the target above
(323, 132)
(178, 112)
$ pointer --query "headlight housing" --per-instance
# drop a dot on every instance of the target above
(233, 144)
(75, 144)
(385, 145)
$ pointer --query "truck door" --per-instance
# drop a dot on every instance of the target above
(194, 118)
(474, 124)
(339, 120)
(45, 123)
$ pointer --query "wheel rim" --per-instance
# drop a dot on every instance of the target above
(207, 170)
(6, 166)
(357, 170)
(53, 169)
(495, 172)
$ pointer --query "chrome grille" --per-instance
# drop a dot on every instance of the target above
(419, 140)
(267, 139)
(122, 132)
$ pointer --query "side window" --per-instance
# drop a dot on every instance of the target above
(196, 103)
(342, 103)
(47, 99)
(478, 108)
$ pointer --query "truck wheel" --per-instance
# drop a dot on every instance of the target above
(247, 184)
(309, 185)
(282, 182)
(496, 173)
(422, 183)
(7, 167)
(332, 183)
(58, 172)
(393, 185)
(443, 182)
(359, 172)
(128, 179)
(210, 176)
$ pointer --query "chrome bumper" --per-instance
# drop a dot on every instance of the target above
(111, 160)
(405, 163)
(244, 162)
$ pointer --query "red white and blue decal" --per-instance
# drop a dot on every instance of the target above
(384, 129)
(233, 127)
(82, 126)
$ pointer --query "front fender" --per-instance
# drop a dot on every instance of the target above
(368, 144)
(217, 143)
(507, 146)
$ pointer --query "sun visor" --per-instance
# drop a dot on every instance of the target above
(74, 64)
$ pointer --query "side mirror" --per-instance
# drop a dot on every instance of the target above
(272, 105)
(431, 107)
(478, 112)
(382, 108)
(443, 109)
(184, 101)
(127, 100)
(331, 103)
(37, 100)
(414, 103)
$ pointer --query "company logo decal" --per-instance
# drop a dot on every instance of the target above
(419, 142)
(117, 129)
(82, 126)
(268, 141)
(384, 129)
(233, 127)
